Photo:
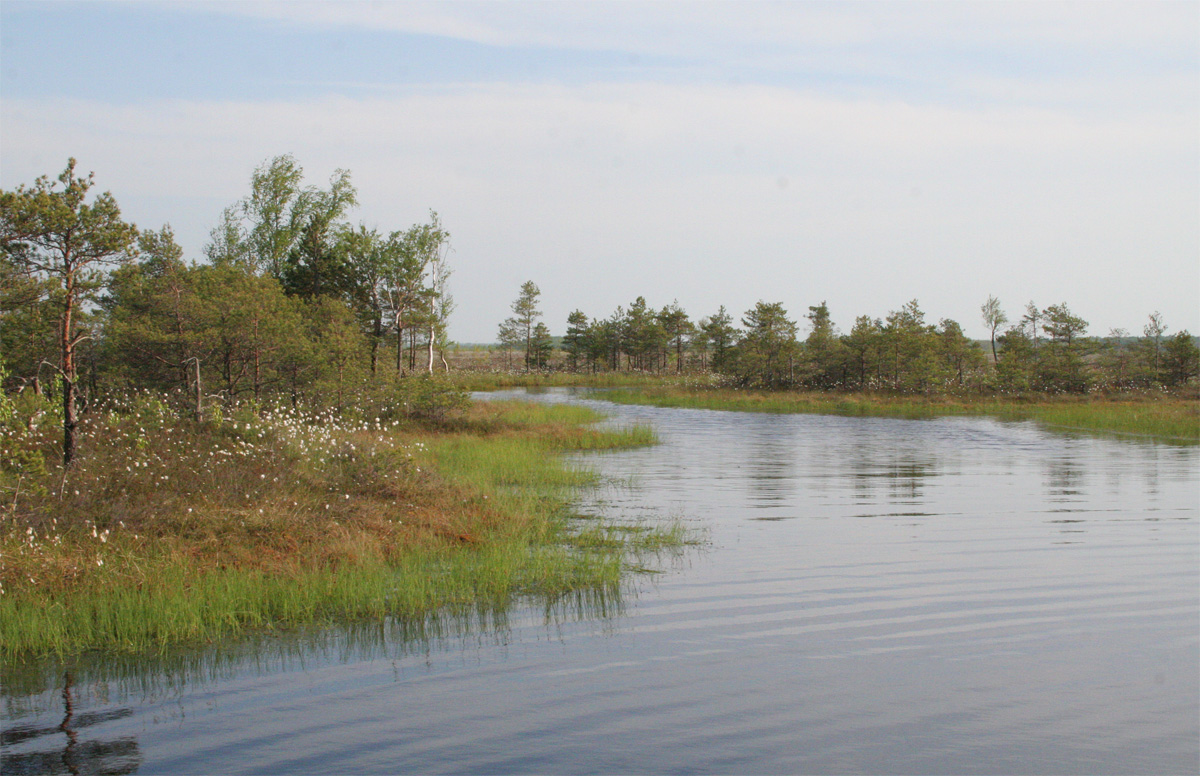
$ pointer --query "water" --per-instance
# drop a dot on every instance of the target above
(877, 595)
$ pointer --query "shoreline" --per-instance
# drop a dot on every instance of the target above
(1156, 418)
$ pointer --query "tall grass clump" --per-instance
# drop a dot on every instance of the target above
(1162, 418)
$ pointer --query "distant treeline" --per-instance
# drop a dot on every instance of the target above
(1045, 350)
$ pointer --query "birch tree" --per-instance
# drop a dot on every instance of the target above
(276, 211)
(993, 318)
(432, 247)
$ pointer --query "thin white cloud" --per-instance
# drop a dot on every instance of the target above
(709, 194)
(690, 28)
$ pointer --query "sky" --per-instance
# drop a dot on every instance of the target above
(861, 154)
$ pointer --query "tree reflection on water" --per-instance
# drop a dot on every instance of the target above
(96, 690)
(60, 749)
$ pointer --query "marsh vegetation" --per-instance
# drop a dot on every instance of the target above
(166, 530)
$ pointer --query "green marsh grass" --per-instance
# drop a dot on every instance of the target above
(139, 673)
(169, 531)
(1170, 420)
(1153, 416)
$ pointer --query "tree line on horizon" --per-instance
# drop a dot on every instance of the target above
(1045, 350)
(294, 301)
(291, 300)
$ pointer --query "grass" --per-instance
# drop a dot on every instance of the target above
(169, 531)
(1161, 418)
(1156, 416)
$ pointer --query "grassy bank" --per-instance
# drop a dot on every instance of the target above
(1154, 416)
(170, 531)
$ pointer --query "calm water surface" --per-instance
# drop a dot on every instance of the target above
(880, 596)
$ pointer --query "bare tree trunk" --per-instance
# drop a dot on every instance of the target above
(199, 393)
(227, 373)
(399, 349)
(375, 340)
(257, 364)
(69, 421)
(430, 345)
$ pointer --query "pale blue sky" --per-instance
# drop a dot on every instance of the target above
(715, 153)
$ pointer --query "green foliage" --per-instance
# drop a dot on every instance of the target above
(156, 318)
(720, 335)
(427, 398)
(605, 341)
(766, 354)
(8, 409)
(1017, 365)
(521, 329)
(337, 349)
(909, 348)
(541, 346)
(1061, 360)
(318, 263)
(863, 351)
(1180, 359)
(385, 275)
(272, 217)
(824, 355)
(1152, 344)
(23, 471)
(294, 234)
(1055, 365)
(643, 337)
(678, 328)
(255, 333)
(577, 341)
(958, 357)
(29, 312)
